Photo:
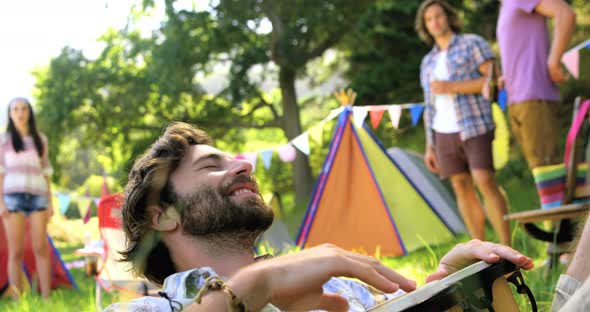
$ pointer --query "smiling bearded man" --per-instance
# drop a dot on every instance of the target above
(191, 212)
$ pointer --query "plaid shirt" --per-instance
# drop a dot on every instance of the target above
(474, 113)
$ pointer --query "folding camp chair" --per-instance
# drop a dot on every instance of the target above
(114, 275)
(563, 216)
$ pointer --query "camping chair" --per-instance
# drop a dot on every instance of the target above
(113, 274)
(562, 216)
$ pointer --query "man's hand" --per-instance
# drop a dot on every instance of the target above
(475, 250)
(442, 87)
(430, 159)
(294, 282)
(556, 73)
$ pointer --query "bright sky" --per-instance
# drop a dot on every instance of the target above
(34, 31)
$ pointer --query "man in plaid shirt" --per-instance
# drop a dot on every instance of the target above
(458, 119)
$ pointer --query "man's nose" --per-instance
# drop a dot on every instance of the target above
(241, 166)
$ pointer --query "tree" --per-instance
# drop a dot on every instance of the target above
(140, 83)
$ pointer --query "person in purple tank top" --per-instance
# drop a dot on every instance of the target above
(532, 71)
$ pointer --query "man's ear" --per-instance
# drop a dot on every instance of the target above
(164, 219)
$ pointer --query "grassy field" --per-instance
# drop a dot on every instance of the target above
(416, 265)
(69, 234)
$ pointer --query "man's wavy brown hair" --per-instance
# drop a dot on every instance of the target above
(452, 17)
(148, 185)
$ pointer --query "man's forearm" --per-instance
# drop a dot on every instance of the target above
(468, 86)
(565, 23)
(580, 265)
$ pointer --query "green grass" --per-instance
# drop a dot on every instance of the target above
(417, 265)
(519, 189)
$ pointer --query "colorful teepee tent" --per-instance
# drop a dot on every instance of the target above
(364, 201)
(60, 276)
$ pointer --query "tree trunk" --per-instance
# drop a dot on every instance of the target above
(292, 127)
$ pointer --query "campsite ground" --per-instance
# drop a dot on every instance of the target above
(69, 234)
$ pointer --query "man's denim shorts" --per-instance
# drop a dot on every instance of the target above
(25, 203)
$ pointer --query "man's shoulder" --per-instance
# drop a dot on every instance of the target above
(472, 39)
(426, 58)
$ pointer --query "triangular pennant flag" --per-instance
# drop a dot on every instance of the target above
(88, 213)
(287, 153)
(395, 114)
(251, 157)
(416, 111)
(376, 116)
(301, 142)
(588, 44)
(503, 99)
(104, 189)
(266, 158)
(240, 156)
(96, 201)
(571, 60)
(316, 132)
(83, 205)
(334, 113)
(359, 114)
(64, 202)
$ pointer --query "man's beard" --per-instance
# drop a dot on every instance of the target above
(212, 215)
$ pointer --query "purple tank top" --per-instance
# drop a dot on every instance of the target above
(524, 49)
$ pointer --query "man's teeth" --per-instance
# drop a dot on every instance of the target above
(241, 191)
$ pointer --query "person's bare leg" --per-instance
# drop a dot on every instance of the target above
(14, 225)
(41, 250)
(494, 202)
(469, 205)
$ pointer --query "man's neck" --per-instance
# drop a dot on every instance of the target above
(224, 256)
(444, 41)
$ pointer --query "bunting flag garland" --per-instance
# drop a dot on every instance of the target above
(316, 132)
(301, 142)
(416, 112)
(571, 59)
(376, 116)
(104, 189)
(359, 114)
(251, 157)
(287, 153)
(266, 156)
(503, 99)
(395, 114)
(64, 202)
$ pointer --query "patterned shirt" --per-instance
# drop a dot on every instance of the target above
(474, 113)
(181, 288)
(25, 171)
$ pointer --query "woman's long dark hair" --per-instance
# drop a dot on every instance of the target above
(17, 141)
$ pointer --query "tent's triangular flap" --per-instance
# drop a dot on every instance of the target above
(416, 221)
(349, 185)
(61, 274)
(320, 182)
(429, 185)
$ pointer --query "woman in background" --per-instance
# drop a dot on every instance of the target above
(24, 182)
